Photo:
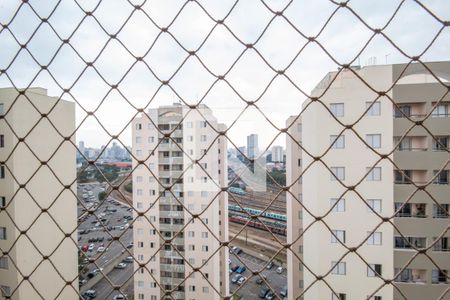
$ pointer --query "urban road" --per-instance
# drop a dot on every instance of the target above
(115, 223)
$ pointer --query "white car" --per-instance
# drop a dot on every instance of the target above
(241, 280)
(101, 249)
(91, 247)
(280, 270)
(121, 266)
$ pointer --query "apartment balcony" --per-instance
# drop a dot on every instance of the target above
(171, 214)
(171, 227)
(170, 200)
(171, 281)
(172, 268)
(411, 276)
(171, 254)
(410, 210)
(170, 160)
(417, 177)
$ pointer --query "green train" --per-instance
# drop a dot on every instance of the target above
(266, 214)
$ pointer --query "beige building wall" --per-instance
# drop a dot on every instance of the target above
(294, 208)
(199, 194)
(322, 252)
(418, 91)
(43, 208)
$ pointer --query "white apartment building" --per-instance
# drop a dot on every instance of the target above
(169, 188)
(36, 208)
(277, 154)
(293, 206)
(353, 190)
(252, 146)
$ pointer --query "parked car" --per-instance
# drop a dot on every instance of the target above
(90, 293)
(237, 251)
(119, 297)
(269, 266)
(241, 270)
(234, 268)
(263, 292)
(91, 275)
(130, 245)
(283, 291)
(270, 296)
(241, 280)
(91, 247)
(82, 282)
(236, 278)
(101, 249)
(260, 280)
(121, 266)
(84, 248)
(280, 270)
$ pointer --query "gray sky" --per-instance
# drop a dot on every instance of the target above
(343, 37)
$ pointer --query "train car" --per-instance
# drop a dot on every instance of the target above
(274, 227)
(238, 191)
(253, 211)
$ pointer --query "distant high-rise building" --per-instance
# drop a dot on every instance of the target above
(383, 189)
(277, 154)
(38, 258)
(252, 146)
(81, 148)
(195, 190)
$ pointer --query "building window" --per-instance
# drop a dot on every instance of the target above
(204, 193)
(299, 162)
(205, 289)
(440, 176)
(2, 141)
(373, 270)
(204, 234)
(374, 108)
(138, 153)
(2, 233)
(338, 268)
(374, 238)
(2, 171)
(337, 109)
(138, 140)
(138, 126)
(409, 242)
(373, 140)
(440, 143)
(440, 211)
(205, 248)
(299, 127)
(374, 205)
(443, 244)
(203, 124)
(338, 172)
(151, 139)
(337, 204)
(3, 262)
(203, 138)
(2, 201)
(439, 276)
(339, 296)
(5, 290)
(441, 110)
(337, 142)
(375, 298)
(374, 174)
(192, 288)
(338, 236)
(2, 108)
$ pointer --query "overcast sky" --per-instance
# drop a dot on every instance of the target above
(344, 36)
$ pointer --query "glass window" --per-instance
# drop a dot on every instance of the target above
(375, 205)
(373, 140)
(441, 110)
(374, 174)
(337, 109)
(374, 238)
(337, 142)
(339, 268)
(374, 108)
(338, 172)
(338, 235)
(337, 204)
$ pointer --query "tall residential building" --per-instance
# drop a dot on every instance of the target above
(37, 210)
(293, 206)
(375, 188)
(277, 154)
(252, 146)
(192, 162)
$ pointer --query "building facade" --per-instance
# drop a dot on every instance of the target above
(350, 193)
(178, 190)
(35, 218)
(252, 146)
(293, 206)
(277, 154)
